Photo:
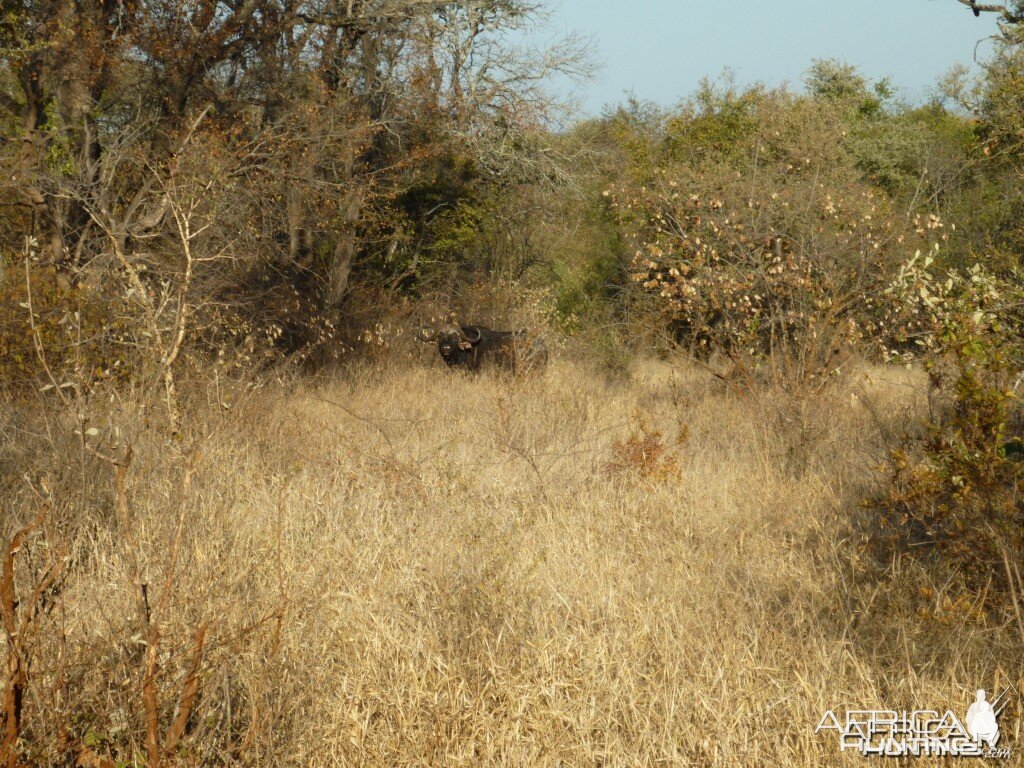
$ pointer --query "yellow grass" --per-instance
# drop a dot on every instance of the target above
(469, 578)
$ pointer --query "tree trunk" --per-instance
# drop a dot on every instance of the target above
(45, 218)
(345, 248)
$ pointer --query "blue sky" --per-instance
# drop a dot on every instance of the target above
(659, 49)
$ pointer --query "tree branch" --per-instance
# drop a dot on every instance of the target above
(1002, 10)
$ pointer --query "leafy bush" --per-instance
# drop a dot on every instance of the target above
(954, 501)
(81, 327)
(922, 310)
(759, 276)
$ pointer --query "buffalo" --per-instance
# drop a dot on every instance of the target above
(472, 346)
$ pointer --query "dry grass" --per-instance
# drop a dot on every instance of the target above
(471, 575)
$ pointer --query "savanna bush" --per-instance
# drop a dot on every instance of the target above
(953, 499)
(81, 328)
(741, 274)
(771, 224)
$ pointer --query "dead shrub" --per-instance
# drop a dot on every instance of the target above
(644, 454)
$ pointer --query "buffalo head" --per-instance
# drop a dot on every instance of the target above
(455, 343)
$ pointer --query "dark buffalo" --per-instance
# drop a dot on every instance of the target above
(470, 346)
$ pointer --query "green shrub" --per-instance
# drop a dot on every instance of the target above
(80, 328)
(954, 500)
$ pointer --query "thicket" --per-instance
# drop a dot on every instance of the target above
(196, 191)
(791, 233)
